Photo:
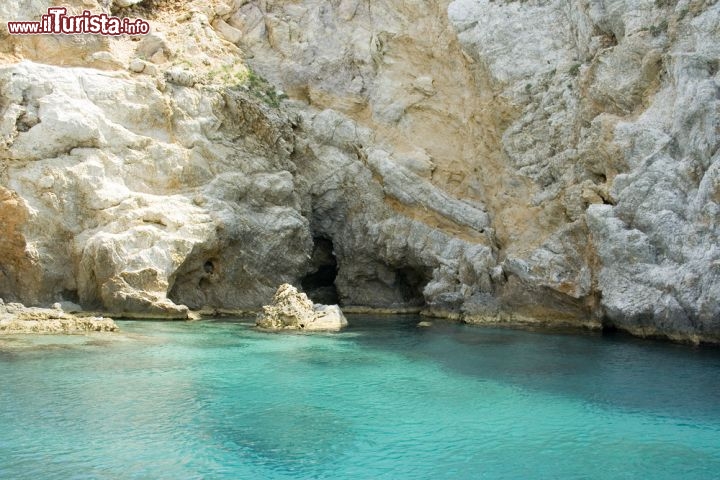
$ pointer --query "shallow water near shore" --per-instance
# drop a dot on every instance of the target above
(383, 399)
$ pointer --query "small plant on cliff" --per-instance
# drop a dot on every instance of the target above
(574, 69)
(656, 30)
(262, 89)
(239, 76)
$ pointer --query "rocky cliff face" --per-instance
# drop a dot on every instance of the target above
(135, 193)
(537, 161)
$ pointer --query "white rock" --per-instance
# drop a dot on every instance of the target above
(180, 76)
(223, 9)
(292, 310)
(126, 3)
(154, 47)
(327, 317)
(425, 85)
(70, 307)
(136, 65)
(229, 33)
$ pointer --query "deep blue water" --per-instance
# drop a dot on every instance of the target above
(384, 399)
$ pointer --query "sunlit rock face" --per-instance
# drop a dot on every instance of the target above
(126, 194)
(494, 161)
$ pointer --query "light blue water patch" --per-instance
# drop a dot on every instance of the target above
(384, 399)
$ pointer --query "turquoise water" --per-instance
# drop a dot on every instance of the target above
(384, 399)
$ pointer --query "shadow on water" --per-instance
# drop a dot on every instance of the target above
(286, 438)
(613, 370)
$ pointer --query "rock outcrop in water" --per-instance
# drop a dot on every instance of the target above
(15, 318)
(485, 161)
(293, 310)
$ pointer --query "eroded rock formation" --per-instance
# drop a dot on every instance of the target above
(293, 310)
(538, 161)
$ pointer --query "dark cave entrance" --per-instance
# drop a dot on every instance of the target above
(319, 283)
(70, 295)
(410, 282)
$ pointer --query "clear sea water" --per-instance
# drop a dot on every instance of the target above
(382, 400)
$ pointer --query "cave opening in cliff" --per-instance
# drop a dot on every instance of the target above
(411, 282)
(70, 295)
(319, 283)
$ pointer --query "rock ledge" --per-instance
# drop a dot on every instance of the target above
(15, 318)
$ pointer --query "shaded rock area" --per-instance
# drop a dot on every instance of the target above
(15, 318)
(293, 310)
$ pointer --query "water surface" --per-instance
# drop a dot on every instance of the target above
(384, 399)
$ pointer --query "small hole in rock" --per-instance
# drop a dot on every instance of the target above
(209, 267)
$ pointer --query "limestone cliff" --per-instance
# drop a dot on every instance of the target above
(536, 161)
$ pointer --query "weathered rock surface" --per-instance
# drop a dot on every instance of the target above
(293, 310)
(15, 318)
(576, 129)
(484, 160)
(104, 207)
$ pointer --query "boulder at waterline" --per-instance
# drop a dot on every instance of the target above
(293, 310)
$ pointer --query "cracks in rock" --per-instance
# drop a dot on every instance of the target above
(155, 221)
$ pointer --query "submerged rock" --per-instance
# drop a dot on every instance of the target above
(15, 318)
(293, 310)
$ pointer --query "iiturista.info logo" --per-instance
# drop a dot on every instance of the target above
(58, 22)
